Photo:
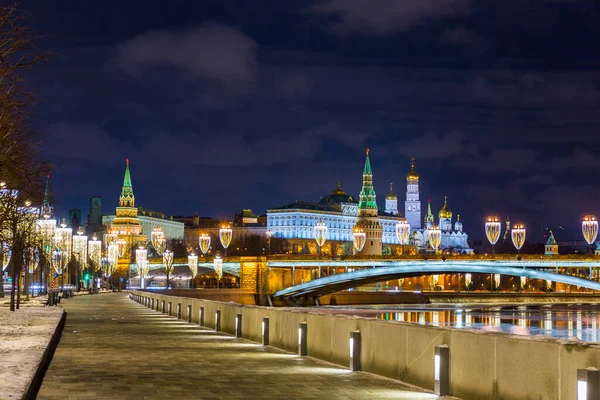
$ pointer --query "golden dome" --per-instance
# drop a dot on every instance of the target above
(391, 195)
(338, 191)
(445, 211)
(412, 174)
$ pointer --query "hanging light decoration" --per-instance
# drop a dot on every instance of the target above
(33, 260)
(589, 227)
(435, 279)
(141, 259)
(5, 254)
(58, 261)
(435, 237)
(193, 264)
(320, 232)
(112, 257)
(497, 280)
(168, 261)
(80, 249)
(159, 242)
(204, 241)
(63, 238)
(493, 227)
(225, 236)
(467, 280)
(218, 265)
(518, 234)
(46, 229)
(548, 284)
(403, 232)
(523, 280)
(95, 252)
(359, 238)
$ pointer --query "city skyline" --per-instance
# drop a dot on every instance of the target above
(230, 106)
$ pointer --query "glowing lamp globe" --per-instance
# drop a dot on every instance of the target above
(225, 236)
(218, 265)
(320, 232)
(435, 237)
(193, 264)
(159, 242)
(589, 228)
(492, 229)
(403, 232)
(518, 234)
(204, 241)
(359, 238)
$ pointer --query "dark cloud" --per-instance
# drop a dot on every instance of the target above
(382, 17)
(211, 51)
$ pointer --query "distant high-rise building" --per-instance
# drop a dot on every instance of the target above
(95, 215)
(75, 218)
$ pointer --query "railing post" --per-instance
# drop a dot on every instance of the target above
(265, 331)
(238, 325)
(302, 339)
(189, 313)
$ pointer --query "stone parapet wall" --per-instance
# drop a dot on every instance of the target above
(483, 365)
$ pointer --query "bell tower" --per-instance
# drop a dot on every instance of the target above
(412, 205)
(368, 218)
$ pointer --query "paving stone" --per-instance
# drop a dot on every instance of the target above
(113, 348)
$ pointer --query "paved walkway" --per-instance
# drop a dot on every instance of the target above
(114, 348)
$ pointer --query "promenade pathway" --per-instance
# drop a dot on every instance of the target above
(114, 348)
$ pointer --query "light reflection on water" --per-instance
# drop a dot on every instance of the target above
(559, 321)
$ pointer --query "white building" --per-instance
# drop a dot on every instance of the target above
(150, 220)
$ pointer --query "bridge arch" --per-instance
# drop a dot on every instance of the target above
(335, 283)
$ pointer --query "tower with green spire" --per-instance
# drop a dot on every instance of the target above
(429, 219)
(46, 210)
(127, 198)
(368, 219)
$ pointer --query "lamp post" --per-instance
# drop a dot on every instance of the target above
(435, 237)
(218, 264)
(95, 253)
(320, 232)
(403, 233)
(204, 241)
(57, 264)
(159, 242)
(517, 234)
(168, 261)
(141, 259)
(193, 264)
(113, 258)
(80, 251)
(589, 228)
(359, 238)
(63, 242)
(225, 236)
(492, 231)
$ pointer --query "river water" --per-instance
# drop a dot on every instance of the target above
(573, 321)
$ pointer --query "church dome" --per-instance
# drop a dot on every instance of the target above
(445, 211)
(412, 174)
(391, 195)
(337, 196)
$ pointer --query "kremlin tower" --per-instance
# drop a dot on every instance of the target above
(391, 202)
(368, 219)
(412, 205)
(126, 224)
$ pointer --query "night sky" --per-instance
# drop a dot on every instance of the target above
(223, 105)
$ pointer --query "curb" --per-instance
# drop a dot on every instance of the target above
(38, 377)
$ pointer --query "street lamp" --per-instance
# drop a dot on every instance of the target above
(218, 264)
(168, 261)
(141, 259)
(517, 234)
(80, 251)
(492, 231)
(225, 236)
(403, 233)
(95, 252)
(359, 238)
(193, 264)
(320, 232)
(159, 242)
(435, 237)
(204, 241)
(113, 258)
(589, 227)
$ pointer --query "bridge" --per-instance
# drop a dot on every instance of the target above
(382, 270)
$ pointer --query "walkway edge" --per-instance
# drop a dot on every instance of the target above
(38, 377)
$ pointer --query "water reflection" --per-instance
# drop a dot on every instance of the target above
(560, 321)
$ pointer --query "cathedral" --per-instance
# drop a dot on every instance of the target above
(342, 213)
